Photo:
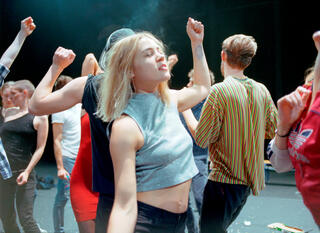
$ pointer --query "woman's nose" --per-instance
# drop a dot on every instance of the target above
(160, 56)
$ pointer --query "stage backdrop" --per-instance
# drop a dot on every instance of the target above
(282, 29)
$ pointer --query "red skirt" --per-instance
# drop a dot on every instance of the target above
(83, 200)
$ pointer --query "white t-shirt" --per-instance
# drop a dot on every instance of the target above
(71, 131)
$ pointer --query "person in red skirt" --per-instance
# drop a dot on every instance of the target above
(83, 200)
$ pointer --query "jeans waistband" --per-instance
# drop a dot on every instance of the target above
(157, 213)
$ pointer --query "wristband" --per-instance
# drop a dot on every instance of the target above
(282, 136)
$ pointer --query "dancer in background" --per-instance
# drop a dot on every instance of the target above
(84, 89)
(24, 138)
(66, 129)
(83, 200)
(236, 118)
(296, 143)
(6, 60)
(200, 156)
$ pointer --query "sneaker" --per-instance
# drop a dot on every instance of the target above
(41, 230)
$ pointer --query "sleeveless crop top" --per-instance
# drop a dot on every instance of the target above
(19, 140)
(166, 157)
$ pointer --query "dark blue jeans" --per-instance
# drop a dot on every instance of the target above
(150, 218)
(62, 196)
(23, 196)
(221, 205)
(197, 188)
(154, 220)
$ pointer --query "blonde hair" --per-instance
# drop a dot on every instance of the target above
(212, 78)
(116, 87)
(309, 75)
(24, 85)
(240, 50)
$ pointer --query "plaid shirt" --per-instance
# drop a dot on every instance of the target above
(5, 169)
(3, 73)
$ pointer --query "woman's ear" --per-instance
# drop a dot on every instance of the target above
(26, 93)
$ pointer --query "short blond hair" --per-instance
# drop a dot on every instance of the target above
(212, 78)
(116, 88)
(24, 85)
(240, 50)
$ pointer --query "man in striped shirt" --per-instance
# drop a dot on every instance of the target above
(236, 118)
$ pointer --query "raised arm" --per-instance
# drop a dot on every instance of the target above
(27, 27)
(42, 126)
(44, 101)
(172, 61)
(189, 97)
(290, 108)
(90, 65)
(124, 143)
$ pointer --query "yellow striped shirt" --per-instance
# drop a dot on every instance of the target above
(236, 118)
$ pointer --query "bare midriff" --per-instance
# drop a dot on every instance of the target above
(173, 199)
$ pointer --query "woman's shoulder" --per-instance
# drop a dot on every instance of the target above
(124, 124)
(126, 129)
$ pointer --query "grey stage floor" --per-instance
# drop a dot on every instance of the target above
(279, 202)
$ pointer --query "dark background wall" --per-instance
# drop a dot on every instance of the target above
(282, 29)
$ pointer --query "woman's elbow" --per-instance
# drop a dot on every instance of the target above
(205, 91)
(34, 110)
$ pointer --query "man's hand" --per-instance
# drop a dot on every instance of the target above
(27, 26)
(62, 58)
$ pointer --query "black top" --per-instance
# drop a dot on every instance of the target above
(102, 168)
(19, 140)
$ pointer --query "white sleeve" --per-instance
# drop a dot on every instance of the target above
(57, 118)
(279, 159)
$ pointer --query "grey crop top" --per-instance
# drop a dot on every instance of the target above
(166, 157)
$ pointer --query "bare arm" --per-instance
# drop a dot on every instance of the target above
(316, 81)
(57, 129)
(191, 121)
(279, 159)
(27, 27)
(42, 126)
(172, 61)
(124, 142)
(90, 65)
(44, 101)
(189, 97)
(290, 108)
